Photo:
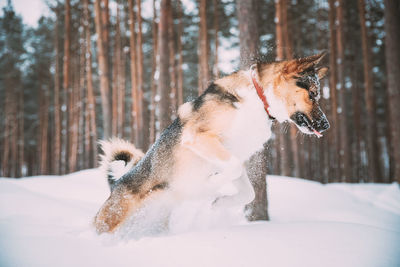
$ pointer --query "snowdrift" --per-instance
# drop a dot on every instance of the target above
(45, 221)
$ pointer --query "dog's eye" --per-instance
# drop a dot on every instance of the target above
(312, 95)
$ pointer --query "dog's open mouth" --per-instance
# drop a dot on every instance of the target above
(304, 124)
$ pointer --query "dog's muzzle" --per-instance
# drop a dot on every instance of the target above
(319, 120)
(319, 124)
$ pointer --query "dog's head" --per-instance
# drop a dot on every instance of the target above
(292, 89)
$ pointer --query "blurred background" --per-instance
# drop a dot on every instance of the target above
(73, 72)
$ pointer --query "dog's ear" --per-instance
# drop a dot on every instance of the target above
(311, 61)
(302, 64)
(321, 72)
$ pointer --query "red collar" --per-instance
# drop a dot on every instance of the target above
(260, 92)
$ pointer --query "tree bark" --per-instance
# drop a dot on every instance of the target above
(7, 130)
(372, 129)
(91, 137)
(392, 55)
(163, 88)
(57, 107)
(284, 141)
(334, 137)
(21, 141)
(105, 23)
(203, 49)
(134, 94)
(116, 76)
(256, 167)
(66, 85)
(171, 44)
(180, 54)
(216, 30)
(103, 69)
(292, 144)
(152, 133)
(43, 130)
(344, 152)
(121, 85)
(73, 112)
(140, 63)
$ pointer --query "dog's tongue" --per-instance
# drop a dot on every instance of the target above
(318, 134)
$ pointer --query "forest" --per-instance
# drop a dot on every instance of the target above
(97, 69)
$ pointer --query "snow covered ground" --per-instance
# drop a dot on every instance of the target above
(45, 221)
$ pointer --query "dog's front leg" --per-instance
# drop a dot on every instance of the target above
(208, 146)
(244, 195)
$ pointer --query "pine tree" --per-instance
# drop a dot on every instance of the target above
(152, 126)
(101, 20)
(203, 49)
(11, 52)
(163, 88)
(392, 55)
(140, 77)
(257, 166)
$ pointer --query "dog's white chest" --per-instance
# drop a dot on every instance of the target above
(251, 127)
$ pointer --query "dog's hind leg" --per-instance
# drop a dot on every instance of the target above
(115, 211)
(123, 203)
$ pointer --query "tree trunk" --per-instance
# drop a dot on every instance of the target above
(91, 137)
(66, 85)
(163, 88)
(180, 54)
(344, 152)
(152, 133)
(257, 170)
(121, 86)
(116, 76)
(372, 129)
(140, 63)
(21, 141)
(81, 157)
(73, 113)
(43, 130)
(105, 37)
(256, 167)
(203, 48)
(57, 107)
(392, 55)
(14, 133)
(284, 141)
(134, 94)
(7, 131)
(171, 44)
(103, 69)
(216, 29)
(292, 144)
(334, 136)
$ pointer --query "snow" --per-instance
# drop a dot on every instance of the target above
(46, 221)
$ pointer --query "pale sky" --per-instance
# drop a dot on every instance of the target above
(30, 10)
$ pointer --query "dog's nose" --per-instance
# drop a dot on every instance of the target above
(325, 125)
(322, 125)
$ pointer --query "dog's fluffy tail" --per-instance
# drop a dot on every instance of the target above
(118, 157)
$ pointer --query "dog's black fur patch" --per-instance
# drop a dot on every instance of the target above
(123, 155)
(217, 92)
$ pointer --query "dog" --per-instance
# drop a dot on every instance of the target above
(202, 153)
